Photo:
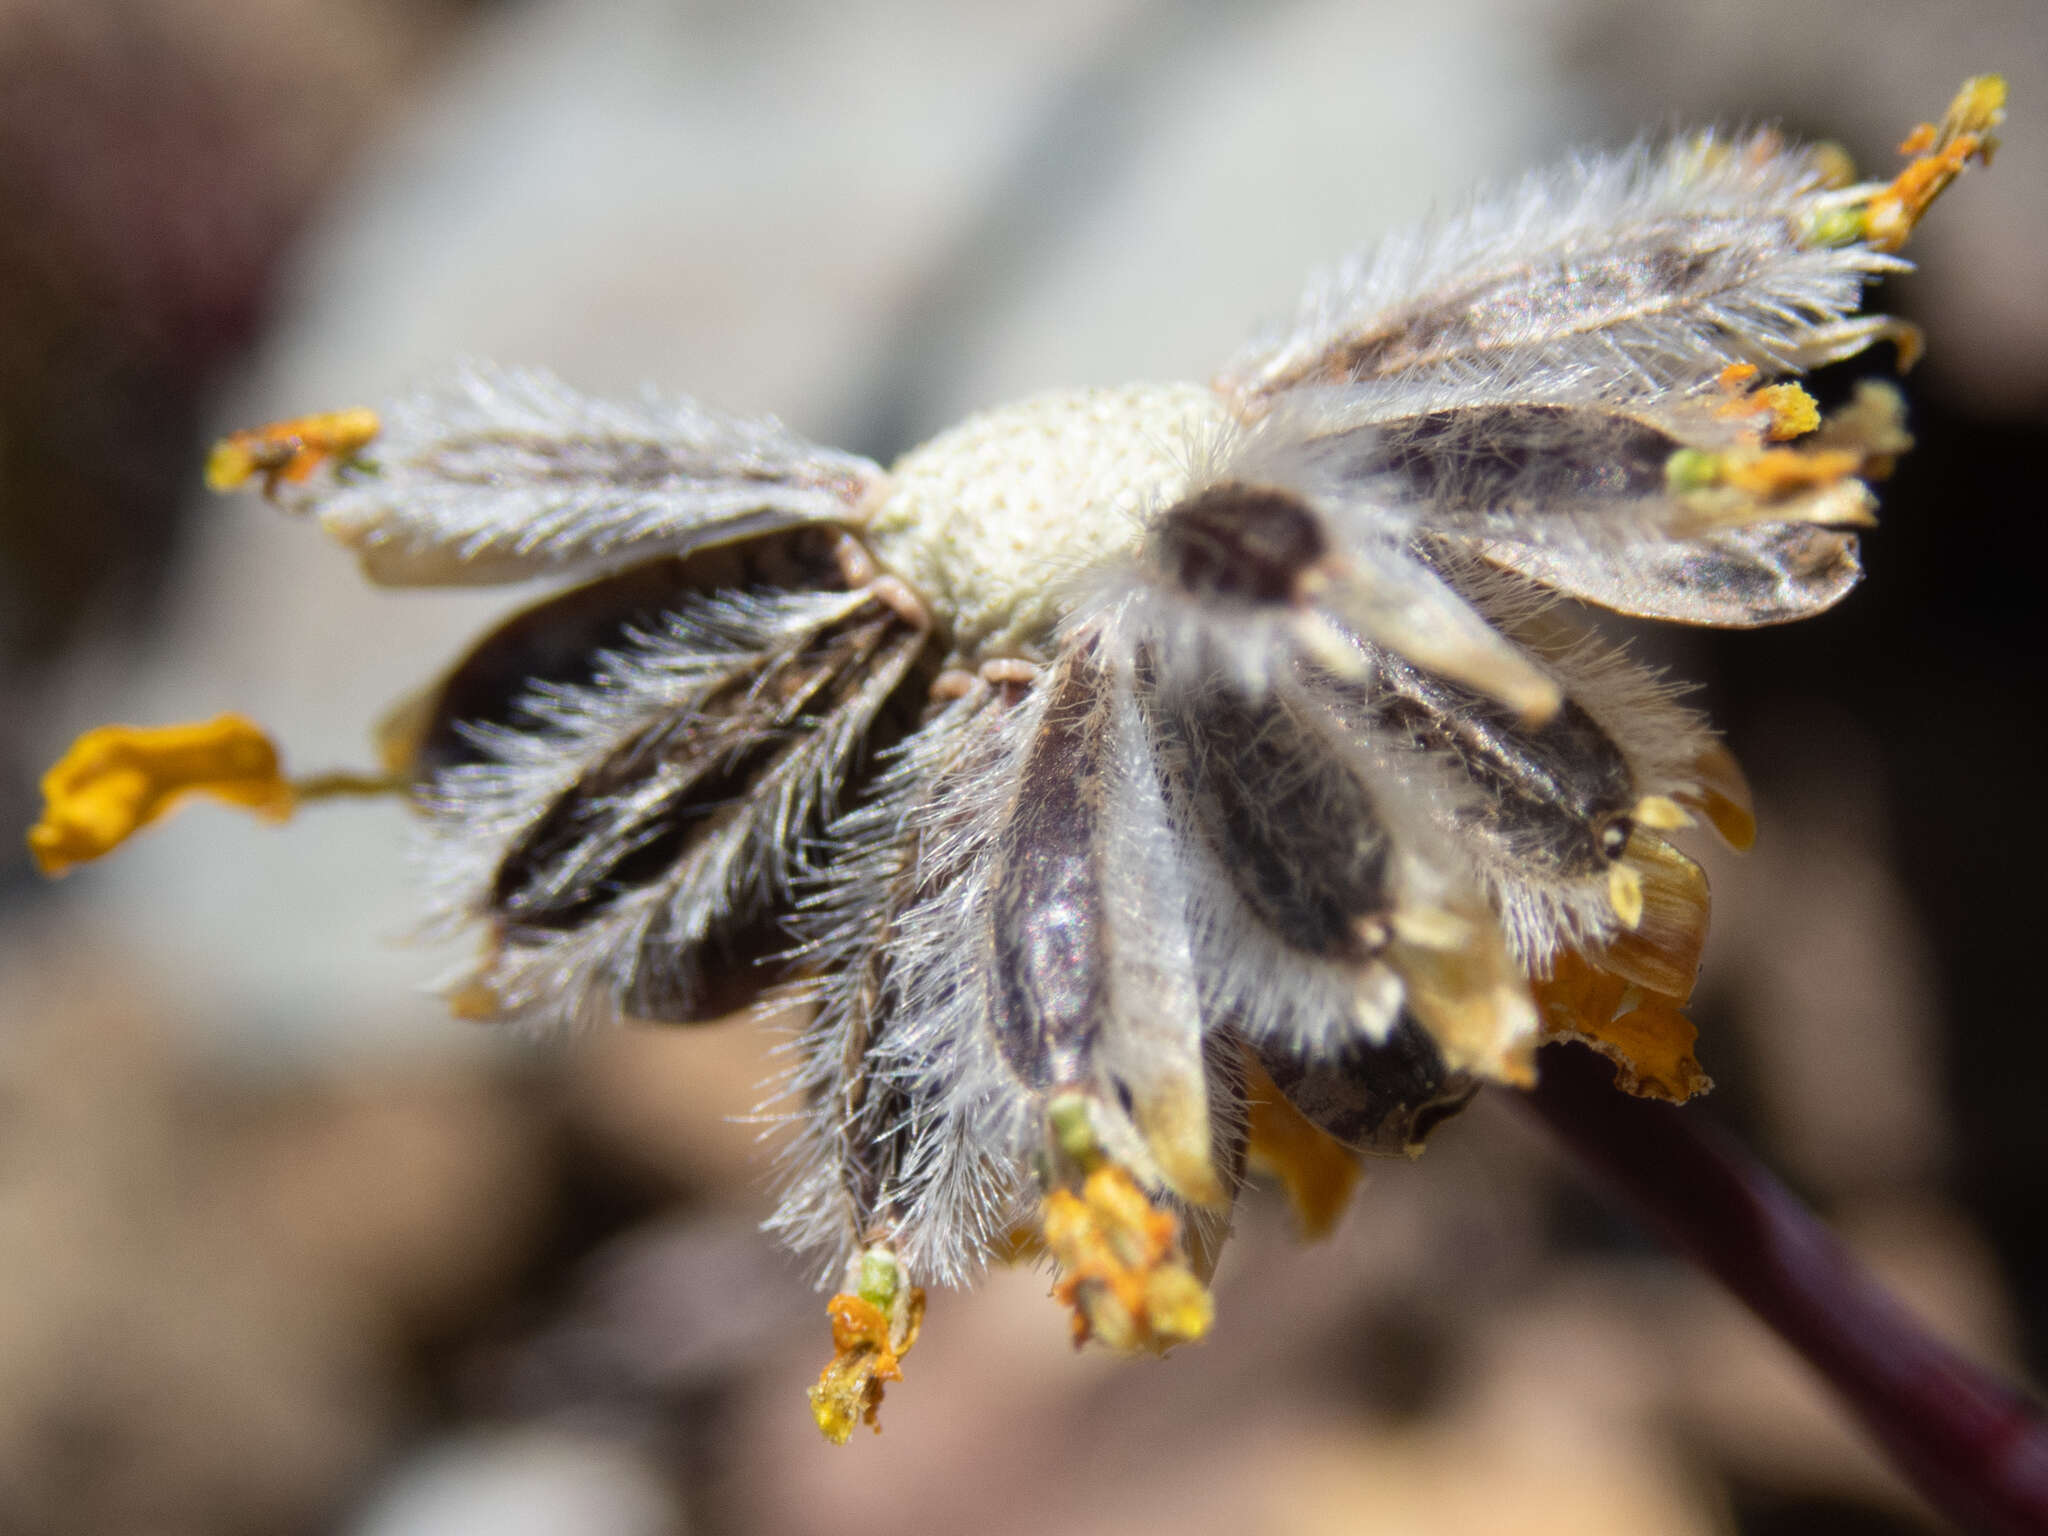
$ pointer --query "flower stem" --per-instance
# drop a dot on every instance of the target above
(1975, 1448)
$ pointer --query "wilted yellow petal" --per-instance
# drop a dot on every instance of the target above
(1720, 793)
(1318, 1172)
(1650, 1041)
(117, 779)
(1652, 1051)
(1652, 1048)
(1661, 953)
(1472, 999)
(1576, 990)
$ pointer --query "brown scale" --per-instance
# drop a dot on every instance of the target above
(726, 748)
(1655, 266)
(1050, 983)
(875, 1110)
(577, 460)
(716, 756)
(1383, 1098)
(1513, 466)
(667, 983)
(560, 639)
(1293, 827)
(1245, 543)
(1298, 834)
(1735, 578)
(1557, 794)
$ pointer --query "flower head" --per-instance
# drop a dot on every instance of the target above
(1138, 785)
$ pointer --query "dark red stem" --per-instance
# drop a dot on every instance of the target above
(1974, 1447)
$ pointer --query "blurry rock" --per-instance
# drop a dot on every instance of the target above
(1821, 956)
(671, 1311)
(408, 1192)
(692, 1105)
(155, 161)
(1536, 1473)
(531, 1481)
(211, 1286)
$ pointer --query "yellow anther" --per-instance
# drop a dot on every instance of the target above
(1785, 410)
(1625, 894)
(1660, 813)
(1791, 411)
(117, 779)
(1919, 141)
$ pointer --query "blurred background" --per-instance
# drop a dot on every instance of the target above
(283, 1249)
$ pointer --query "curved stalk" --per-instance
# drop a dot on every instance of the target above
(1976, 1448)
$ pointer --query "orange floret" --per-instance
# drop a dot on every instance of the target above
(288, 450)
(868, 1350)
(1940, 152)
(1120, 1272)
